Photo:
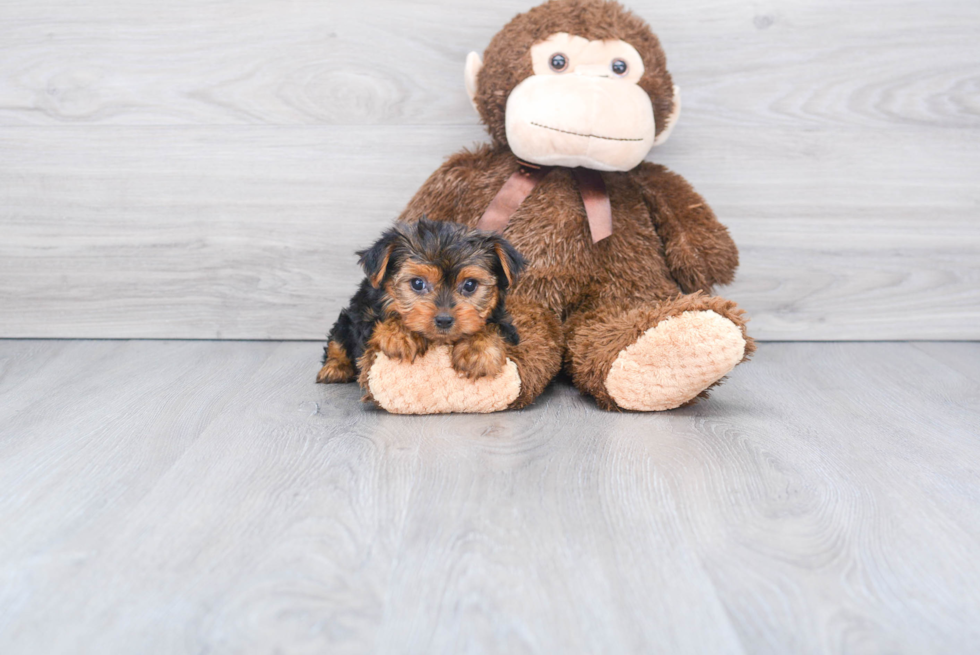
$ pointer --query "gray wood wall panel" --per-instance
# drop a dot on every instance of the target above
(206, 169)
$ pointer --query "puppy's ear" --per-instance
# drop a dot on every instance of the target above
(511, 262)
(509, 332)
(375, 259)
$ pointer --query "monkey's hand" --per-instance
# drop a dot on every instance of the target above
(397, 342)
(699, 251)
(479, 355)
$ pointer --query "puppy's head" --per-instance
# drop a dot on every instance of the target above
(443, 279)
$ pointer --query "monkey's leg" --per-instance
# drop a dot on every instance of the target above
(430, 385)
(538, 355)
(652, 356)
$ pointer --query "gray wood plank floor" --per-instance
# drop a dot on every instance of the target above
(198, 497)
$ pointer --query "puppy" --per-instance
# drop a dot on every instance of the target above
(428, 283)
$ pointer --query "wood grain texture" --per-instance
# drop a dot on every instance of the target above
(967, 363)
(793, 63)
(208, 497)
(249, 233)
(206, 169)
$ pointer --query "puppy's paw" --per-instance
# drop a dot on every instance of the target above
(395, 341)
(334, 372)
(481, 355)
(338, 367)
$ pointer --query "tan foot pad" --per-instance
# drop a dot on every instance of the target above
(429, 385)
(674, 361)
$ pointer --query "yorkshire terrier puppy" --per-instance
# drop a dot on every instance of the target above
(428, 283)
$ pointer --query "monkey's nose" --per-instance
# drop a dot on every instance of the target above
(444, 321)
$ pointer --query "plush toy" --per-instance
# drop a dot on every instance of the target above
(622, 253)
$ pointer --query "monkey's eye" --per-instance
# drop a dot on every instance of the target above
(418, 284)
(469, 286)
(619, 67)
(558, 62)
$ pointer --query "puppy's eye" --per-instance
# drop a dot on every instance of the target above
(619, 67)
(418, 284)
(469, 286)
(558, 62)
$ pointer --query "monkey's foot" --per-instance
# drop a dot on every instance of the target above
(430, 385)
(674, 361)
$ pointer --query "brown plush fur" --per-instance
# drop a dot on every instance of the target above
(507, 60)
(595, 336)
(666, 241)
(538, 355)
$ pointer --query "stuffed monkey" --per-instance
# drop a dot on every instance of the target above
(622, 253)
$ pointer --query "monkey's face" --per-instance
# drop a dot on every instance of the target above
(582, 106)
(575, 83)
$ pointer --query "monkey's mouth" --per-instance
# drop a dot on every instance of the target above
(588, 136)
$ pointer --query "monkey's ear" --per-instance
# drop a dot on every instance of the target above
(374, 260)
(474, 64)
(511, 261)
(671, 120)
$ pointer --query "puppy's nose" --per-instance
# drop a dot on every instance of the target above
(444, 321)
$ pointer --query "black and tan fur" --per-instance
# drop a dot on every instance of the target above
(428, 283)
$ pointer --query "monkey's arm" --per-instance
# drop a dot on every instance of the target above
(699, 251)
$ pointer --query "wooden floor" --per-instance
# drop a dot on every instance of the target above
(206, 497)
